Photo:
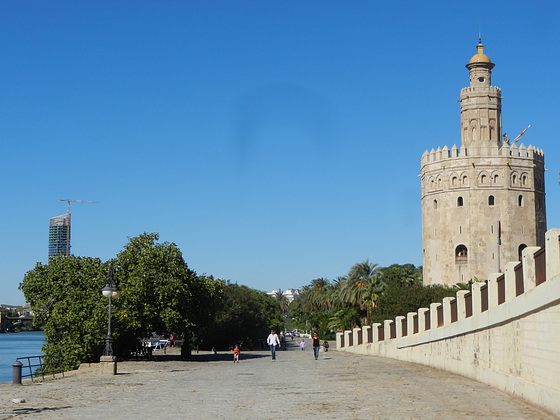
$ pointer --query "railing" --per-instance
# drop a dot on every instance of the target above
(34, 366)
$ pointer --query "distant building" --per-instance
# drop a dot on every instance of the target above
(291, 294)
(59, 235)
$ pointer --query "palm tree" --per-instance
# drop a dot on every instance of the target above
(283, 301)
(320, 293)
(362, 287)
(316, 296)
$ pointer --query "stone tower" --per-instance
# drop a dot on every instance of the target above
(484, 193)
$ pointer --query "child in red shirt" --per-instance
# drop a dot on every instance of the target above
(236, 352)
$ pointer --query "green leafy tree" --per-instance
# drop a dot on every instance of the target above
(66, 301)
(245, 317)
(399, 299)
(344, 319)
(406, 275)
(159, 293)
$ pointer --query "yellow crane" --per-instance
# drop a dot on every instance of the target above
(68, 218)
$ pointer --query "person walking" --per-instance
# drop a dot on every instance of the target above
(302, 344)
(236, 352)
(316, 345)
(273, 341)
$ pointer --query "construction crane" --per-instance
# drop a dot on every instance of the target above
(68, 218)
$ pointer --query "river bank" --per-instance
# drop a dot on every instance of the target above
(14, 345)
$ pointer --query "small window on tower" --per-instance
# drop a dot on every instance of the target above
(461, 256)
(435, 204)
(481, 79)
(520, 201)
(520, 251)
(491, 200)
(460, 202)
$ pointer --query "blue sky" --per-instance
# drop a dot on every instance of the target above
(273, 142)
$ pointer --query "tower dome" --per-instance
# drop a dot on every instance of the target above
(480, 57)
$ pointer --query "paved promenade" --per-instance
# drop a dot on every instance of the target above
(337, 386)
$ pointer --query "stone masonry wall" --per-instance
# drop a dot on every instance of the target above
(505, 332)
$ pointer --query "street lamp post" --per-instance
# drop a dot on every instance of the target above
(109, 291)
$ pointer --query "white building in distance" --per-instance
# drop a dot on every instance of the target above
(291, 294)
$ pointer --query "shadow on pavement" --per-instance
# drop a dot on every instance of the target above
(207, 357)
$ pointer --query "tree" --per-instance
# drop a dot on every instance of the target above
(362, 287)
(283, 302)
(159, 293)
(400, 299)
(65, 297)
(344, 319)
(245, 317)
(406, 274)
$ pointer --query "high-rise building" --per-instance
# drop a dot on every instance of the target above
(484, 202)
(59, 235)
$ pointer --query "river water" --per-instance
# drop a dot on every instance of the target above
(14, 345)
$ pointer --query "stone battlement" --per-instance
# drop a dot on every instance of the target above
(511, 151)
(471, 89)
(503, 332)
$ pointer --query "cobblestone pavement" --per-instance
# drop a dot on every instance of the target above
(296, 386)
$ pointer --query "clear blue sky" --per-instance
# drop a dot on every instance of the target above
(273, 142)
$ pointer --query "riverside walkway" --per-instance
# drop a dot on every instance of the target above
(296, 386)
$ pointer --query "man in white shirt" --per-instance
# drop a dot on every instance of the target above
(273, 341)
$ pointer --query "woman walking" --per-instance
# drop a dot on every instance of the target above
(316, 344)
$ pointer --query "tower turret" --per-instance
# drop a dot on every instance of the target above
(481, 106)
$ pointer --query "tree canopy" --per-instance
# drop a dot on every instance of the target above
(158, 293)
(245, 317)
(367, 294)
(66, 301)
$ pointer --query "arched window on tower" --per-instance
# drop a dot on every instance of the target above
(461, 254)
(491, 200)
(520, 201)
(495, 178)
(435, 204)
(483, 179)
(520, 251)
(460, 202)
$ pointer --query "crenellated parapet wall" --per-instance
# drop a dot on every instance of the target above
(503, 332)
(507, 168)
(441, 155)
(490, 89)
